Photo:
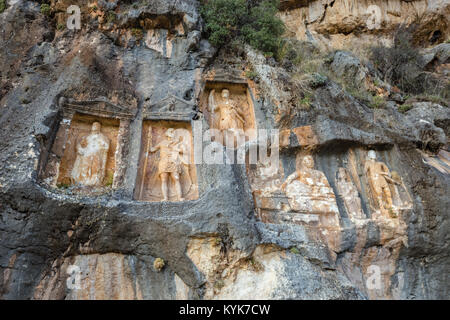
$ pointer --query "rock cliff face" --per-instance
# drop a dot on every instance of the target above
(365, 216)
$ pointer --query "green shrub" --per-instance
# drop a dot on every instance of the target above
(2, 5)
(254, 22)
(264, 29)
(223, 19)
(294, 250)
(251, 74)
(111, 17)
(377, 102)
(45, 9)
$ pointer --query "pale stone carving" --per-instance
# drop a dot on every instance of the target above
(382, 185)
(167, 170)
(172, 156)
(347, 190)
(92, 153)
(230, 118)
(309, 191)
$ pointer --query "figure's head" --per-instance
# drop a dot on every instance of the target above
(371, 155)
(342, 175)
(170, 133)
(308, 162)
(96, 126)
(225, 93)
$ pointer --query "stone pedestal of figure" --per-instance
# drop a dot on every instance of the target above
(349, 194)
(309, 192)
(382, 186)
(92, 152)
(170, 163)
(229, 118)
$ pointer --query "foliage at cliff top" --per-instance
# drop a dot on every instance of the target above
(254, 22)
(2, 5)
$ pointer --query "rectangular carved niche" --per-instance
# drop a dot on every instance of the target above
(166, 155)
(229, 106)
(86, 153)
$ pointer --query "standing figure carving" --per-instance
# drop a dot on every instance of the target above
(92, 153)
(381, 183)
(228, 116)
(170, 163)
(349, 194)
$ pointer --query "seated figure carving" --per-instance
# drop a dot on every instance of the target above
(349, 194)
(309, 191)
(92, 152)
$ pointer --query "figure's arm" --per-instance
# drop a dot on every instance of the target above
(105, 158)
(154, 149)
(80, 147)
(390, 180)
(211, 101)
(291, 178)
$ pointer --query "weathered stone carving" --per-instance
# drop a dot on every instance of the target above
(92, 153)
(167, 169)
(347, 190)
(383, 187)
(228, 115)
(88, 147)
(170, 108)
(228, 108)
(309, 191)
(170, 161)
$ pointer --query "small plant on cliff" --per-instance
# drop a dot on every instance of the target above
(159, 264)
(294, 250)
(45, 9)
(137, 33)
(251, 74)
(377, 102)
(219, 284)
(2, 5)
(111, 17)
(405, 108)
(109, 179)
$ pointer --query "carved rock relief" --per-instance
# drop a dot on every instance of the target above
(389, 196)
(228, 108)
(349, 194)
(166, 171)
(84, 153)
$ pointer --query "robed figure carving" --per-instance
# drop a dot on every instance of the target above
(92, 153)
(227, 116)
